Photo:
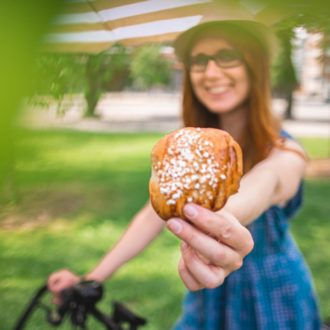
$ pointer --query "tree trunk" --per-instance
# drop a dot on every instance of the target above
(92, 96)
(94, 84)
(289, 107)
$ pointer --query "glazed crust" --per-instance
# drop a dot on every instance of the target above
(198, 165)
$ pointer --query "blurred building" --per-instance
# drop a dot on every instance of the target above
(312, 62)
(326, 70)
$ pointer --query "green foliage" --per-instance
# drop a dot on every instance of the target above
(313, 16)
(107, 71)
(80, 191)
(150, 68)
(298, 11)
(58, 74)
(22, 25)
(284, 78)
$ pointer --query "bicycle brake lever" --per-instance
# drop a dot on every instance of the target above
(122, 314)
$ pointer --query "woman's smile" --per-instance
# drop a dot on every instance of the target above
(220, 89)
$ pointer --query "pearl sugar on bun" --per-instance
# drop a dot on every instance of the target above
(194, 165)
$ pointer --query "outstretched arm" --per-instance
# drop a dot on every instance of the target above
(271, 182)
(215, 243)
(145, 226)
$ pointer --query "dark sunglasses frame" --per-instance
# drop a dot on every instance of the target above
(199, 62)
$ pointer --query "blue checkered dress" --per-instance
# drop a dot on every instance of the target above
(272, 290)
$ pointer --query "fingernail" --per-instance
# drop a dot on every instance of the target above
(190, 211)
(174, 225)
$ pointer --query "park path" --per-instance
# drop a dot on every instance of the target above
(160, 112)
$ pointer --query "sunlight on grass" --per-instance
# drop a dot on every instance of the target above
(316, 147)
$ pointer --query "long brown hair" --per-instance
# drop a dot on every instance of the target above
(261, 132)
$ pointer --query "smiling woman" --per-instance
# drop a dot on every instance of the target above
(240, 263)
(219, 88)
(235, 97)
(243, 83)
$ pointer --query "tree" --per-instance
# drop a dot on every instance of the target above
(149, 67)
(313, 16)
(57, 75)
(284, 79)
(107, 71)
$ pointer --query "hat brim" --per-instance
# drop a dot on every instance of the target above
(265, 36)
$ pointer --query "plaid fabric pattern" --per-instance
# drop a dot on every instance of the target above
(273, 290)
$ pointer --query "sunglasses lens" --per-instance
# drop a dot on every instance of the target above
(198, 62)
(227, 58)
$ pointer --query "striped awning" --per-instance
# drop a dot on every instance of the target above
(95, 25)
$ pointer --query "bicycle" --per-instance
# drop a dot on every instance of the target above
(79, 302)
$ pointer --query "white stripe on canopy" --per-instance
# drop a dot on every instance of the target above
(125, 11)
(95, 25)
(133, 31)
(89, 25)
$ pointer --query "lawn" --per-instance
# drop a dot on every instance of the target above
(77, 193)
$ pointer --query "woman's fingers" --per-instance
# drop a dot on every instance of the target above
(214, 251)
(214, 244)
(200, 273)
(222, 225)
(59, 281)
(187, 278)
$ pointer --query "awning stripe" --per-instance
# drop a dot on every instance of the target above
(124, 33)
(139, 19)
(102, 46)
(95, 25)
(85, 6)
(124, 11)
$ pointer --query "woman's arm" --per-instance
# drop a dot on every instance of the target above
(145, 226)
(273, 181)
(215, 243)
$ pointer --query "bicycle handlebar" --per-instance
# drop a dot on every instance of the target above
(78, 303)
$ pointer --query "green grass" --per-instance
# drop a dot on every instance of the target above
(316, 147)
(78, 192)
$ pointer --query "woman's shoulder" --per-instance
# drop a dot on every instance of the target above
(287, 142)
(285, 134)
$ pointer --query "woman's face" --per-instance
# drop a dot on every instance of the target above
(221, 90)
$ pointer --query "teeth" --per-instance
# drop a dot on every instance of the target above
(217, 90)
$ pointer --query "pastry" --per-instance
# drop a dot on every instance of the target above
(194, 165)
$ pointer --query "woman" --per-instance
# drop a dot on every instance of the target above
(227, 86)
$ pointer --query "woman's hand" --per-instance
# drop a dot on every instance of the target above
(59, 281)
(213, 245)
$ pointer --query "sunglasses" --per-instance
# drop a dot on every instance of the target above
(224, 58)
